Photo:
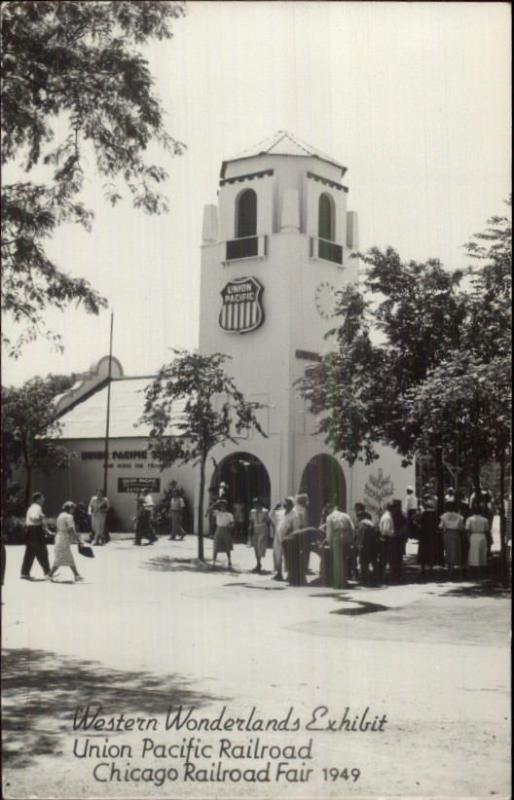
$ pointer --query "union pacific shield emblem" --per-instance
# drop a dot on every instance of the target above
(242, 309)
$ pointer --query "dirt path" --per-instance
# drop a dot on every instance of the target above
(148, 632)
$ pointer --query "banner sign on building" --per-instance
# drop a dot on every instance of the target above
(116, 455)
(138, 485)
(242, 309)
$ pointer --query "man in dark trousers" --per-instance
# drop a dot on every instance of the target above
(36, 532)
(367, 538)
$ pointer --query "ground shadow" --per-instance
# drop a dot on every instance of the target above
(41, 691)
(259, 587)
(364, 607)
(169, 564)
(479, 589)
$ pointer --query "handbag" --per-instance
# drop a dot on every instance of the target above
(86, 550)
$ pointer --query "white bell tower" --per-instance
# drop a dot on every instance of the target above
(275, 250)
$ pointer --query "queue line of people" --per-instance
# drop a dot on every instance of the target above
(358, 548)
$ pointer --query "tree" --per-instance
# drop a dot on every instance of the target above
(468, 397)
(30, 432)
(390, 336)
(378, 489)
(75, 87)
(191, 407)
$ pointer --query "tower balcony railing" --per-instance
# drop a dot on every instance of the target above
(327, 250)
(246, 247)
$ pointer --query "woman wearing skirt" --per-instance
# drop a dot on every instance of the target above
(65, 536)
(452, 525)
(477, 528)
(98, 508)
(177, 506)
(427, 550)
(223, 535)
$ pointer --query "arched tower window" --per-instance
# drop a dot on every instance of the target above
(246, 214)
(326, 226)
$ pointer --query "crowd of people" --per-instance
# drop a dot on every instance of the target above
(76, 524)
(359, 547)
(350, 547)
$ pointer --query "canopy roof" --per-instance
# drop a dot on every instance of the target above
(87, 419)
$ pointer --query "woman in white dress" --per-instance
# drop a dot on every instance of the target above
(98, 507)
(477, 528)
(65, 536)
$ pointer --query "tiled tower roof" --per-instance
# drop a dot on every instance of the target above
(283, 143)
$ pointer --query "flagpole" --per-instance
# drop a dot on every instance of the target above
(108, 414)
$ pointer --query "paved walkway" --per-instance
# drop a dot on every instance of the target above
(150, 630)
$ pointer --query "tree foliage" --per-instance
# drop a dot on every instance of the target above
(422, 360)
(468, 396)
(389, 337)
(30, 432)
(75, 86)
(191, 407)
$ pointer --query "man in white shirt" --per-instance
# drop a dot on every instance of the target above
(386, 524)
(287, 527)
(340, 536)
(148, 507)
(36, 531)
(391, 549)
(410, 506)
(410, 503)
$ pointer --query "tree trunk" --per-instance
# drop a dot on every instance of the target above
(475, 452)
(439, 472)
(28, 473)
(476, 477)
(200, 508)
(28, 485)
(503, 521)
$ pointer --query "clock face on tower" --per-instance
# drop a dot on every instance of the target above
(326, 300)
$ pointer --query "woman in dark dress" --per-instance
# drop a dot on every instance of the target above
(428, 534)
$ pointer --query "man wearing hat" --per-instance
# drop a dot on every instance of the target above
(301, 507)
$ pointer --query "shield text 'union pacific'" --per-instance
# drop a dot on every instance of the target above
(241, 311)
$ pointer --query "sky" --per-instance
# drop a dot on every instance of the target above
(413, 98)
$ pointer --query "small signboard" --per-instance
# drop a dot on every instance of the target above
(137, 485)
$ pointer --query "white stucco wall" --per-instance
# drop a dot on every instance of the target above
(83, 476)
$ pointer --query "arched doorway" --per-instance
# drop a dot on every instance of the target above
(246, 477)
(323, 480)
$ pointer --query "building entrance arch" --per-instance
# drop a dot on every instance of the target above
(246, 477)
(323, 480)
